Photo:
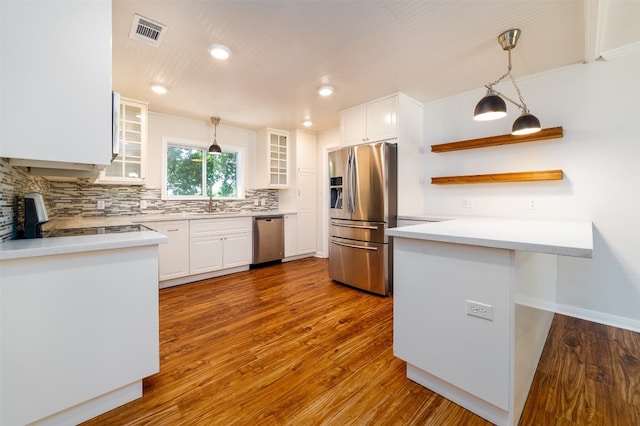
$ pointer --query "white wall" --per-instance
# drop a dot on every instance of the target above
(160, 125)
(327, 141)
(598, 105)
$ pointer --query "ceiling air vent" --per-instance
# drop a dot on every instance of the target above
(147, 31)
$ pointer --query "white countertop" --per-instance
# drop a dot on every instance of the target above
(17, 249)
(561, 237)
(35, 247)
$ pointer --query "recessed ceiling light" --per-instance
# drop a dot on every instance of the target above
(307, 123)
(325, 90)
(219, 51)
(159, 88)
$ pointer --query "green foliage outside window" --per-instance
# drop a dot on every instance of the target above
(185, 171)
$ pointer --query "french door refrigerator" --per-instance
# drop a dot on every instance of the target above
(363, 204)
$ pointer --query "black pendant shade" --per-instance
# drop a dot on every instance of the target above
(215, 148)
(525, 124)
(489, 108)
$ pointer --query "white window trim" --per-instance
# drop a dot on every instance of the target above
(192, 143)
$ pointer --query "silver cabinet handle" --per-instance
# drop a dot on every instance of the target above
(354, 246)
(355, 226)
(172, 230)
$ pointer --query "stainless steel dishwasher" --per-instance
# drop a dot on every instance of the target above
(268, 239)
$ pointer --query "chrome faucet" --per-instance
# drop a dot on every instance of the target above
(211, 209)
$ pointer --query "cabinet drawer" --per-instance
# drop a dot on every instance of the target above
(203, 227)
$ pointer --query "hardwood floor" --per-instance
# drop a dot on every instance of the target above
(285, 345)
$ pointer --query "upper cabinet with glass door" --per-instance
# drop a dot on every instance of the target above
(272, 159)
(129, 166)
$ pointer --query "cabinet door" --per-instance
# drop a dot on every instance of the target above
(290, 235)
(272, 159)
(236, 250)
(306, 220)
(63, 71)
(306, 232)
(129, 166)
(174, 256)
(278, 160)
(305, 152)
(205, 254)
(382, 119)
(352, 126)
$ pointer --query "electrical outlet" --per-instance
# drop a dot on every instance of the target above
(143, 204)
(480, 310)
(256, 202)
(532, 204)
(263, 202)
(100, 204)
(467, 203)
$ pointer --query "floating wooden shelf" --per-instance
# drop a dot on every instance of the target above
(499, 177)
(550, 133)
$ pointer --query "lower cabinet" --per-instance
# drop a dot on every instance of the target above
(306, 232)
(300, 234)
(217, 244)
(237, 250)
(206, 254)
(290, 235)
(173, 256)
(200, 246)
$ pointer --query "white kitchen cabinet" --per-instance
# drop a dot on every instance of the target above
(237, 250)
(353, 126)
(217, 244)
(290, 235)
(173, 256)
(306, 182)
(300, 229)
(305, 148)
(306, 220)
(383, 119)
(79, 331)
(129, 166)
(205, 254)
(56, 83)
(371, 122)
(272, 159)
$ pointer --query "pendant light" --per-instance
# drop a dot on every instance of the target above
(492, 106)
(215, 148)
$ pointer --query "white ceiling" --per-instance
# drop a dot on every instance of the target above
(282, 51)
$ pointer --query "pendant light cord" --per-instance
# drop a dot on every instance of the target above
(523, 106)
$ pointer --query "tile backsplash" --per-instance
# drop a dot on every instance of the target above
(14, 183)
(70, 199)
(80, 199)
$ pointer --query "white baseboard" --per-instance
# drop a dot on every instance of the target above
(93, 407)
(198, 277)
(464, 399)
(599, 317)
(585, 314)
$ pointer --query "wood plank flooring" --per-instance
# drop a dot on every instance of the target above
(285, 345)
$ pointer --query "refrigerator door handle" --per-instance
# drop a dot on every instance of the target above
(354, 226)
(352, 183)
(354, 246)
(348, 187)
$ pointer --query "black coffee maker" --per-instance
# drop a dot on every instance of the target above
(35, 214)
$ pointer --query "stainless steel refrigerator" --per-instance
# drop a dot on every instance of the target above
(363, 204)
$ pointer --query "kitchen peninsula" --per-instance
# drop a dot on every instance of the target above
(473, 303)
(78, 325)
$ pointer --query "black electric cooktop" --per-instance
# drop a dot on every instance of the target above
(95, 230)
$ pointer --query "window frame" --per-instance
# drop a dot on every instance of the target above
(201, 145)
